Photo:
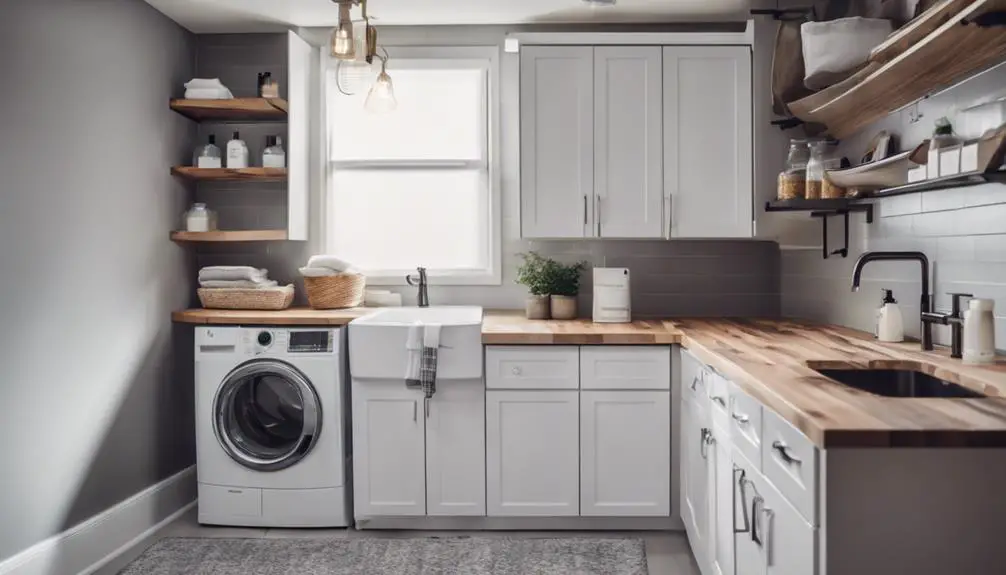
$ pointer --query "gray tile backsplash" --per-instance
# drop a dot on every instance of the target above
(669, 278)
(962, 231)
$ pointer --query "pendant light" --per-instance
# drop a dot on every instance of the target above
(343, 42)
(381, 99)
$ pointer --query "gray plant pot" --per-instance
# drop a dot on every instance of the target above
(563, 307)
(537, 307)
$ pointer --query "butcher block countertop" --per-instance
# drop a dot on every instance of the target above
(770, 360)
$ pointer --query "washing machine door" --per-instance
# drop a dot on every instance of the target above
(267, 415)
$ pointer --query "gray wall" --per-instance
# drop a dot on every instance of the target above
(670, 278)
(94, 410)
(963, 231)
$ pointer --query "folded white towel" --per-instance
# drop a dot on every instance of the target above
(414, 347)
(233, 273)
(205, 83)
(208, 94)
(330, 262)
(309, 272)
(239, 284)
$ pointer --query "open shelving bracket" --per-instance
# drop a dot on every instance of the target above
(844, 212)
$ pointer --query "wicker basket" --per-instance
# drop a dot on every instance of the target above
(226, 298)
(335, 292)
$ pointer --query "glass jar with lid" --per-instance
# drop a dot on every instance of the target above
(200, 219)
(792, 180)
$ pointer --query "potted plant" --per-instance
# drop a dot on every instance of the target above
(532, 273)
(564, 285)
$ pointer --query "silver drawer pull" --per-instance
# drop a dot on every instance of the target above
(720, 400)
(740, 418)
(784, 452)
(695, 382)
(742, 482)
(704, 441)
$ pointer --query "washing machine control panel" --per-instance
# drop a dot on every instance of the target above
(319, 341)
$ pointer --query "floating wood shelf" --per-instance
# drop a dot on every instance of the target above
(230, 236)
(949, 54)
(235, 110)
(230, 175)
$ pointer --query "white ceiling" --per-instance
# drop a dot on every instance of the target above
(207, 16)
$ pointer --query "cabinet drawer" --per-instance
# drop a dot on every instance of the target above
(694, 379)
(746, 424)
(718, 389)
(528, 367)
(789, 461)
(618, 368)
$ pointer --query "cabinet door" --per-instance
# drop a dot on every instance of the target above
(748, 557)
(721, 498)
(625, 453)
(389, 461)
(694, 478)
(557, 141)
(532, 443)
(456, 450)
(707, 141)
(628, 148)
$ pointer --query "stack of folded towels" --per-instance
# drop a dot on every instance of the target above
(235, 277)
(207, 89)
(323, 266)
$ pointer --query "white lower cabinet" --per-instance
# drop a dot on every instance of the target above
(695, 477)
(721, 503)
(625, 453)
(456, 450)
(532, 453)
(389, 471)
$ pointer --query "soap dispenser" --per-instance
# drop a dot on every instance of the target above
(890, 324)
(237, 152)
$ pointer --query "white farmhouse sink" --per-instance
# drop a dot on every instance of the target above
(377, 342)
(443, 315)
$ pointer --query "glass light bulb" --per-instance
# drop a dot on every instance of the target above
(343, 46)
(381, 98)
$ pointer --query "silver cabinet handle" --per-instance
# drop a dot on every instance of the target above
(756, 503)
(720, 400)
(740, 418)
(414, 409)
(741, 480)
(767, 530)
(427, 407)
(584, 209)
(695, 382)
(785, 453)
(704, 441)
(670, 218)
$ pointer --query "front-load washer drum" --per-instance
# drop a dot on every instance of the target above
(266, 415)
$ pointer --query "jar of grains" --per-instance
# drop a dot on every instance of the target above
(819, 152)
(792, 180)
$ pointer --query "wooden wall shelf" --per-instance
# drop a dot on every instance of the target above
(951, 53)
(230, 175)
(230, 236)
(236, 110)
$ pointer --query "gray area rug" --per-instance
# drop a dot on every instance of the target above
(366, 556)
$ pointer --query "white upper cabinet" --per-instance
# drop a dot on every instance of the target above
(708, 141)
(557, 141)
(628, 132)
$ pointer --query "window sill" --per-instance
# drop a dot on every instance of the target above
(436, 278)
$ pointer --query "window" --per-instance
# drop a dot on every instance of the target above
(416, 187)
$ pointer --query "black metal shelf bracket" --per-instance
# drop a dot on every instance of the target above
(824, 215)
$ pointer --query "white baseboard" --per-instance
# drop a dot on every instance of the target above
(87, 546)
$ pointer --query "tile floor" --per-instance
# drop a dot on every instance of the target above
(667, 553)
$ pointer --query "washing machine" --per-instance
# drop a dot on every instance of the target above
(271, 433)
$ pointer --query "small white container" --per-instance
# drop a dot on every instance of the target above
(917, 174)
(200, 219)
(933, 165)
(950, 160)
(237, 152)
(979, 332)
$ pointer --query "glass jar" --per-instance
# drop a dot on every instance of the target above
(208, 155)
(820, 154)
(792, 179)
(200, 219)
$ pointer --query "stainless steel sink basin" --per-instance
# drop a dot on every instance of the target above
(897, 383)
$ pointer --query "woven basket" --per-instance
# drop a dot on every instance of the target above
(335, 292)
(227, 298)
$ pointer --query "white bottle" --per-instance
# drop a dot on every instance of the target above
(237, 152)
(979, 332)
(890, 325)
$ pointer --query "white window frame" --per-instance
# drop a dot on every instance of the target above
(486, 55)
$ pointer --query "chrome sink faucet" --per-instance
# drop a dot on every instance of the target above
(926, 305)
(419, 280)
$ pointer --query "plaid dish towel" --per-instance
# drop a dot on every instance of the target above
(423, 345)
